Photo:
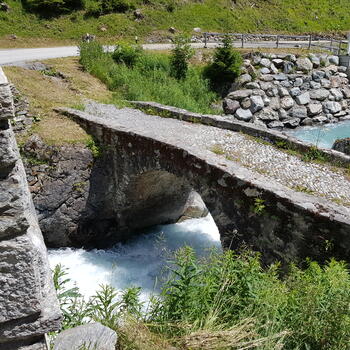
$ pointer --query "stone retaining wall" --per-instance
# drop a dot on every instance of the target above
(28, 303)
(255, 130)
(287, 91)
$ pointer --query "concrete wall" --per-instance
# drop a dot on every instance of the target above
(28, 304)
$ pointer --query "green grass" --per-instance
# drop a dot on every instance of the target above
(283, 16)
(149, 80)
(224, 301)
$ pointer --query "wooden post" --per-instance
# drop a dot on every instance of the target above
(242, 41)
(332, 44)
(205, 40)
(310, 41)
(339, 48)
(348, 49)
(277, 41)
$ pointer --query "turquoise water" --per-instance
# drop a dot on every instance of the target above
(322, 135)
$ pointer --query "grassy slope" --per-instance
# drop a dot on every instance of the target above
(214, 15)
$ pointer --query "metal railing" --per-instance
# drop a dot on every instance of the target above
(308, 41)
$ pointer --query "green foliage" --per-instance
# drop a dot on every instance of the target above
(94, 148)
(127, 54)
(226, 66)
(52, 7)
(149, 80)
(103, 7)
(259, 206)
(314, 154)
(180, 56)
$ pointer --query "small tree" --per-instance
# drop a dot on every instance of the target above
(180, 56)
(225, 67)
(127, 54)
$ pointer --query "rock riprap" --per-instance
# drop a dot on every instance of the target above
(28, 304)
(301, 90)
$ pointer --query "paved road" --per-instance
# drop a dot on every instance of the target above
(17, 56)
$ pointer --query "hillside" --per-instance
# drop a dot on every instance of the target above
(283, 16)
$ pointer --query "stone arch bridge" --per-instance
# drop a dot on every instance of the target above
(150, 164)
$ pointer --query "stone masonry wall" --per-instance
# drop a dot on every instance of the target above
(287, 91)
(28, 303)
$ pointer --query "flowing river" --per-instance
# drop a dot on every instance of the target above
(138, 262)
(323, 135)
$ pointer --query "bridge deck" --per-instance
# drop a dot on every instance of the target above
(275, 165)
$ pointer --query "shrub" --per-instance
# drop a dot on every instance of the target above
(103, 7)
(180, 55)
(127, 54)
(225, 68)
(52, 7)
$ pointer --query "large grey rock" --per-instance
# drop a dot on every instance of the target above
(318, 75)
(244, 79)
(334, 60)
(295, 92)
(314, 109)
(239, 94)
(265, 62)
(243, 114)
(291, 122)
(303, 99)
(257, 104)
(287, 102)
(304, 64)
(230, 106)
(194, 208)
(332, 107)
(342, 145)
(319, 95)
(299, 112)
(338, 95)
(92, 336)
(267, 114)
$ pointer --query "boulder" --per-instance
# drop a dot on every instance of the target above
(298, 82)
(346, 92)
(318, 75)
(257, 104)
(267, 115)
(303, 99)
(278, 62)
(334, 60)
(299, 112)
(243, 114)
(252, 86)
(306, 122)
(244, 79)
(315, 60)
(291, 122)
(315, 85)
(314, 109)
(92, 336)
(288, 67)
(320, 94)
(280, 77)
(332, 107)
(295, 92)
(275, 124)
(265, 70)
(283, 92)
(239, 94)
(304, 64)
(287, 102)
(230, 106)
(325, 83)
(265, 62)
(4, 7)
(195, 208)
(338, 95)
(246, 103)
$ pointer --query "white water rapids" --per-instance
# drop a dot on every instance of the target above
(138, 262)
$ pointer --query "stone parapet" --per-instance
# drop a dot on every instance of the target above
(223, 122)
(28, 304)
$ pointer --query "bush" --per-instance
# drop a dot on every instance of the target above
(52, 7)
(146, 77)
(180, 55)
(103, 7)
(127, 54)
(225, 68)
